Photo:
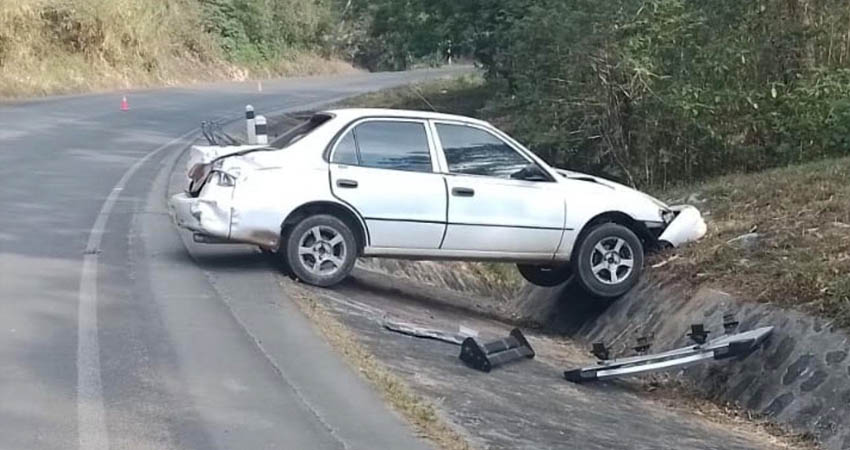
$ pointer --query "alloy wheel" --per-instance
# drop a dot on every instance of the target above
(322, 250)
(612, 260)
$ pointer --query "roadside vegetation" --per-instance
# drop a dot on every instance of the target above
(650, 92)
(58, 46)
(781, 236)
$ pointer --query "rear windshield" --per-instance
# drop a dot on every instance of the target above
(304, 126)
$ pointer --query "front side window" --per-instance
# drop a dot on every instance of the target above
(474, 151)
(394, 145)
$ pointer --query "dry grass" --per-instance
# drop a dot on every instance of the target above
(802, 256)
(60, 46)
(418, 411)
(463, 95)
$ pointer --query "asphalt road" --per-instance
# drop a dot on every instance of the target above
(114, 332)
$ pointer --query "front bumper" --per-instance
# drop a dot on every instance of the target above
(200, 215)
(688, 226)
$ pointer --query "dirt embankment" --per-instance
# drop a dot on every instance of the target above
(70, 46)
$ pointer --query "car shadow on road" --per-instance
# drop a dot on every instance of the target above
(231, 258)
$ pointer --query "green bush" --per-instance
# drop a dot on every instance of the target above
(651, 92)
(264, 30)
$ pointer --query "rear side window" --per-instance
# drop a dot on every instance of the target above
(346, 151)
(393, 145)
(304, 127)
(474, 151)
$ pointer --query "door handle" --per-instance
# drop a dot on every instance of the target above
(463, 192)
(343, 183)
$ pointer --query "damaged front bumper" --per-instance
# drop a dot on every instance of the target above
(687, 226)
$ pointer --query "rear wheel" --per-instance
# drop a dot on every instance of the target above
(321, 250)
(609, 260)
(545, 275)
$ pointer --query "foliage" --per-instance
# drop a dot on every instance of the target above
(51, 46)
(652, 92)
(264, 30)
(396, 34)
(67, 45)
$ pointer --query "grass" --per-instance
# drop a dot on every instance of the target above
(801, 258)
(62, 46)
(465, 95)
(418, 411)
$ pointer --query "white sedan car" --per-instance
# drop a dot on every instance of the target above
(419, 185)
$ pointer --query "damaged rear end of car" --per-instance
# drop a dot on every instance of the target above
(229, 188)
(206, 208)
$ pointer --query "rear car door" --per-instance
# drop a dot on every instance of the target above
(489, 211)
(384, 168)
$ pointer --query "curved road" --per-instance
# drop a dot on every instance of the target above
(112, 333)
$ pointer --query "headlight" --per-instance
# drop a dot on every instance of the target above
(667, 216)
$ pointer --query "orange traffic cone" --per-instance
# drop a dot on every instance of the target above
(124, 105)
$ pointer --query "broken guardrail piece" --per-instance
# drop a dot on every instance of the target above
(643, 344)
(698, 333)
(414, 330)
(729, 323)
(600, 351)
(484, 357)
(727, 346)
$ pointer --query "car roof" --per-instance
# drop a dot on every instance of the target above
(350, 114)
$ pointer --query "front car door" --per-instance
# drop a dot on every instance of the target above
(490, 211)
(384, 169)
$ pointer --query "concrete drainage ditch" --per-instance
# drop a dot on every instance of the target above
(799, 377)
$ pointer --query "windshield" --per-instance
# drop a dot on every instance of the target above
(303, 128)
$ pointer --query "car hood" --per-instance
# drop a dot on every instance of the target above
(617, 187)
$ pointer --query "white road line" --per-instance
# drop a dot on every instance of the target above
(91, 419)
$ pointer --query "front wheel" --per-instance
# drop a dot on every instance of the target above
(321, 250)
(545, 275)
(609, 261)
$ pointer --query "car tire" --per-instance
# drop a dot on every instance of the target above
(609, 261)
(321, 250)
(545, 275)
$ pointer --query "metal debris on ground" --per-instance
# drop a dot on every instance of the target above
(485, 356)
(726, 346)
(427, 333)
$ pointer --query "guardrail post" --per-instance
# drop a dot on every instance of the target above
(261, 130)
(249, 119)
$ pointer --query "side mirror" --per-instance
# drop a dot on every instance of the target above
(531, 172)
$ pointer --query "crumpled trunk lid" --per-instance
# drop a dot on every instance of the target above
(201, 159)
